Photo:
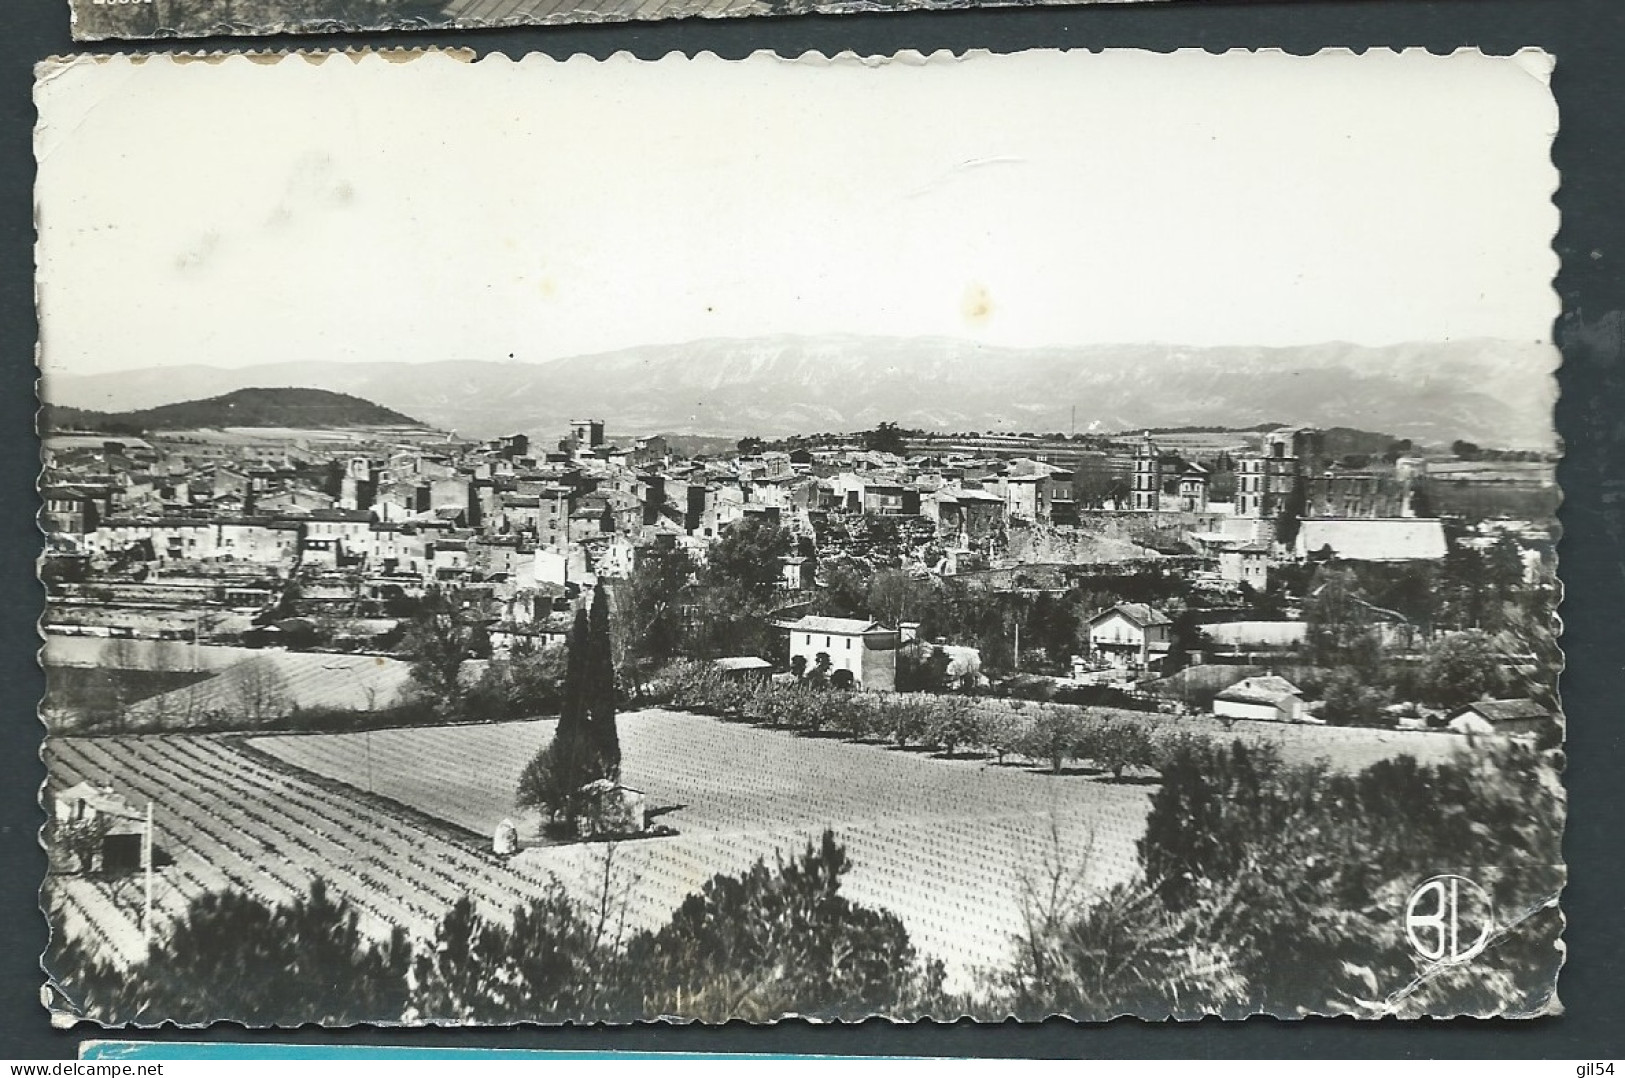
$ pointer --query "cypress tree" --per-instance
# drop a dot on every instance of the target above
(572, 742)
(600, 688)
(573, 708)
(556, 774)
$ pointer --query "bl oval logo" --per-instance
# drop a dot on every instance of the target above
(1449, 919)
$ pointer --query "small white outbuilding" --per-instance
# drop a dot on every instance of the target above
(1266, 697)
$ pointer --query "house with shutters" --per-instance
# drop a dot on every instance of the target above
(1129, 636)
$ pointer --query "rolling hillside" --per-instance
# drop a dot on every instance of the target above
(252, 407)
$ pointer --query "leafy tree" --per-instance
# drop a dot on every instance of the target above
(782, 939)
(1464, 602)
(1503, 567)
(1422, 500)
(1465, 450)
(552, 780)
(585, 745)
(529, 682)
(746, 556)
(1123, 952)
(1056, 735)
(1341, 625)
(842, 679)
(953, 724)
(1290, 517)
(1461, 668)
(845, 593)
(231, 956)
(448, 629)
(1185, 635)
(1000, 731)
(922, 668)
(1349, 700)
(907, 717)
(1198, 826)
(647, 610)
(76, 845)
(895, 596)
(885, 438)
(547, 962)
(1092, 481)
(1532, 626)
(1117, 746)
(1050, 623)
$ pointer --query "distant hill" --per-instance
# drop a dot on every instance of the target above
(1495, 393)
(254, 407)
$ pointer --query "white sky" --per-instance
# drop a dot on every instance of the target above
(235, 213)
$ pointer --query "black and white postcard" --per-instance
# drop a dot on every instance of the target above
(1052, 533)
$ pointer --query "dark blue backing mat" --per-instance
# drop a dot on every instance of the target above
(131, 1051)
(1588, 39)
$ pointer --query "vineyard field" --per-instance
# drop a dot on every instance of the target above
(231, 821)
(945, 844)
(398, 821)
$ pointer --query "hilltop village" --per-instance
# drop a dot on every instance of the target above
(1280, 572)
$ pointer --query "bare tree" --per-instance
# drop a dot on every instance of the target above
(614, 896)
(117, 658)
(259, 690)
(1053, 894)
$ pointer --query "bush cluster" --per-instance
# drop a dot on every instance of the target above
(1049, 734)
(779, 938)
(1299, 872)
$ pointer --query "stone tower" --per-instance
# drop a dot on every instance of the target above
(1146, 493)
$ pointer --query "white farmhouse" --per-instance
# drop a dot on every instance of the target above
(865, 648)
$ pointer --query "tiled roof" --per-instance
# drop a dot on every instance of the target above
(1507, 710)
(844, 626)
(1266, 689)
(1141, 614)
(741, 662)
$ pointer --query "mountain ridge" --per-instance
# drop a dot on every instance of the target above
(1491, 392)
